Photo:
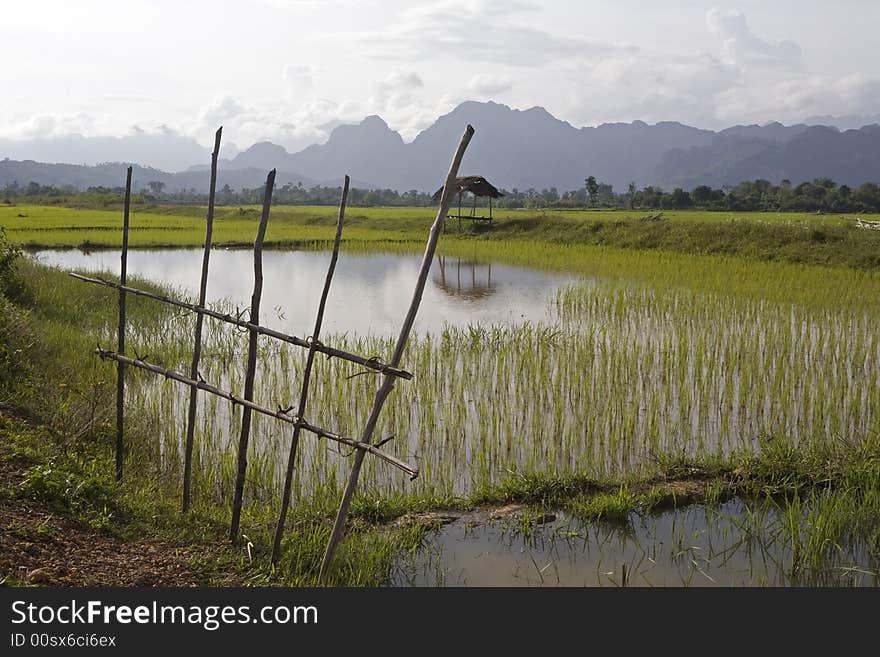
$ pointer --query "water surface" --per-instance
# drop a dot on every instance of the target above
(370, 292)
(732, 544)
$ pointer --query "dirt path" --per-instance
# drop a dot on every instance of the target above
(40, 548)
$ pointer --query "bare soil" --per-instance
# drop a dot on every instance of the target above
(38, 547)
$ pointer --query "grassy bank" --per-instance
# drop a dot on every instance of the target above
(827, 240)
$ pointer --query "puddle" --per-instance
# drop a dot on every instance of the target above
(728, 545)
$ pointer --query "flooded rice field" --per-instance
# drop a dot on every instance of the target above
(515, 370)
(524, 371)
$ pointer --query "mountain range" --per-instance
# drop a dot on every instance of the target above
(518, 149)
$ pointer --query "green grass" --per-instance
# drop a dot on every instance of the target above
(829, 240)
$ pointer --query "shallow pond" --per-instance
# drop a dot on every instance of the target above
(370, 293)
(732, 544)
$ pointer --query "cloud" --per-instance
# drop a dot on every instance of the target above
(740, 47)
(47, 125)
(477, 31)
(402, 79)
(220, 112)
(484, 84)
(300, 80)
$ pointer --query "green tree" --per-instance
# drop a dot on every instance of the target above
(592, 189)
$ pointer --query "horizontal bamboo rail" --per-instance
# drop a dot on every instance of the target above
(412, 471)
(370, 363)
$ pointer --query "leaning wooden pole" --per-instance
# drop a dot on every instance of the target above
(120, 333)
(252, 360)
(303, 395)
(200, 320)
(388, 381)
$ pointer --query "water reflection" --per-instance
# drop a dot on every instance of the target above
(370, 293)
(466, 280)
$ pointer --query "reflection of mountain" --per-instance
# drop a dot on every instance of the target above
(462, 279)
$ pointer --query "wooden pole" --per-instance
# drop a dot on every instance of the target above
(120, 332)
(371, 363)
(288, 477)
(200, 318)
(252, 360)
(388, 381)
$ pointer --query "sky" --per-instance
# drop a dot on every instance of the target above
(291, 70)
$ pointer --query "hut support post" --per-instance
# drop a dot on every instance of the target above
(200, 318)
(388, 381)
(288, 477)
(120, 331)
(252, 360)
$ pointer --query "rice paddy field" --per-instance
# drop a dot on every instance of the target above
(832, 240)
(629, 371)
(739, 378)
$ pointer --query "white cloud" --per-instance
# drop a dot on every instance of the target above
(485, 85)
(740, 47)
(46, 125)
(478, 31)
(220, 112)
(300, 81)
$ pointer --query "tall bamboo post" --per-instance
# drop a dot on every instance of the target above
(200, 318)
(252, 359)
(388, 381)
(288, 477)
(120, 332)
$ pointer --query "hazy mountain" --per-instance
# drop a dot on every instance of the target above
(513, 148)
(845, 122)
(520, 149)
(851, 157)
(113, 175)
(774, 131)
(165, 150)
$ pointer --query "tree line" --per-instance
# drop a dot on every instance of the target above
(819, 195)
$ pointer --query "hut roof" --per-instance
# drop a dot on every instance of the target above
(476, 185)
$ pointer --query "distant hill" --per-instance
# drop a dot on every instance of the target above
(113, 175)
(165, 150)
(851, 157)
(518, 149)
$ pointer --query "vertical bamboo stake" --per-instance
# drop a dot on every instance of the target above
(288, 478)
(200, 318)
(388, 382)
(120, 332)
(252, 359)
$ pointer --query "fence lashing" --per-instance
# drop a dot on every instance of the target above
(279, 414)
(372, 363)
